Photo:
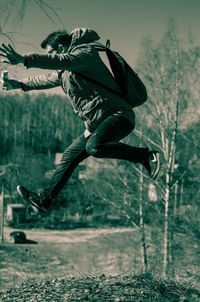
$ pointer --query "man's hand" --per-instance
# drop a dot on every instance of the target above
(10, 84)
(10, 55)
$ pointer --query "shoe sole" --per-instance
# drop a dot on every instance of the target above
(156, 172)
(35, 207)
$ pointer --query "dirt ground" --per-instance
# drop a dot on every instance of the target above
(67, 236)
(67, 253)
(84, 265)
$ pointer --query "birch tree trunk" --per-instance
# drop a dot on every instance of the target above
(166, 227)
(168, 239)
(142, 228)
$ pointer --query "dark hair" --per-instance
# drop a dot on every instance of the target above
(57, 37)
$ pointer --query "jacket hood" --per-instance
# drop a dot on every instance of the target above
(83, 35)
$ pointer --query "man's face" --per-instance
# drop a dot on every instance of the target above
(60, 49)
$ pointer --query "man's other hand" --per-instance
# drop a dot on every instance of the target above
(10, 84)
(10, 55)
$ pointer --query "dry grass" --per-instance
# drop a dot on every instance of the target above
(93, 288)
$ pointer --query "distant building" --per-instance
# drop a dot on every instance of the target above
(58, 158)
(90, 167)
(152, 192)
(16, 213)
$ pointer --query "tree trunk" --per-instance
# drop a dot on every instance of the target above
(181, 194)
(166, 229)
(142, 228)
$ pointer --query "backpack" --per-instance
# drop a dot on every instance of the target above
(132, 88)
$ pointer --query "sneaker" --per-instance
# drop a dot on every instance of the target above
(153, 164)
(33, 199)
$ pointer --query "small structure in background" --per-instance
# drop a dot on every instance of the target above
(58, 158)
(16, 213)
(152, 192)
(90, 167)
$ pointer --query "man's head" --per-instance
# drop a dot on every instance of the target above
(58, 41)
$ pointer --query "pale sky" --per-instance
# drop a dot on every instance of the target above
(124, 22)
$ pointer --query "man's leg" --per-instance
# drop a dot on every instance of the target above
(72, 156)
(104, 143)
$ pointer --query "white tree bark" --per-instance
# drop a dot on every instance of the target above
(142, 228)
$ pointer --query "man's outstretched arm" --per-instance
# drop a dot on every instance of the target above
(45, 81)
(77, 60)
(41, 82)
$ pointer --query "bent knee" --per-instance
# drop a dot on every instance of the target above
(92, 149)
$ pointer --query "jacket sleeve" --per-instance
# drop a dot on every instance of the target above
(44, 81)
(77, 60)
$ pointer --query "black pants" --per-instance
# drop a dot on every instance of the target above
(102, 143)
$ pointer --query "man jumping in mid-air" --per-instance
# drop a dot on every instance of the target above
(108, 117)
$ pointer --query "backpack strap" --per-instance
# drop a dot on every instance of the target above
(108, 44)
(117, 65)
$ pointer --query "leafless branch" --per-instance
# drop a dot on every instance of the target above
(48, 9)
(16, 10)
(148, 139)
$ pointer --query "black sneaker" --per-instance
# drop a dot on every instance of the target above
(33, 199)
(153, 164)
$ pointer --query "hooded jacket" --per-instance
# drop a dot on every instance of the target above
(91, 102)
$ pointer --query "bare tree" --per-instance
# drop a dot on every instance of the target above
(165, 73)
